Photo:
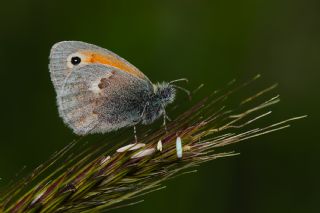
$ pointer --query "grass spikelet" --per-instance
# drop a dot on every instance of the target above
(114, 173)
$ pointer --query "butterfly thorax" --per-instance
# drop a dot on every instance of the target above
(164, 94)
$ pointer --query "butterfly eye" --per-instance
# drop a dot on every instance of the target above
(75, 60)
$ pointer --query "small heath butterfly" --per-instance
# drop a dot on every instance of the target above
(98, 91)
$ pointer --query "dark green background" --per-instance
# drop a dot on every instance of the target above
(208, 42)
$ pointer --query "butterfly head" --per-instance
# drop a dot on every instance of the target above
(165, 93)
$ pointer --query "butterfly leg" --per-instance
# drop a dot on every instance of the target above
(135, 133)
(144, 110)
(165, 117)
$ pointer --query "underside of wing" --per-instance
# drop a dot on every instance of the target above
(91, 54)
(96, 98)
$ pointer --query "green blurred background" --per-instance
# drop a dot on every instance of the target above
(208, 42)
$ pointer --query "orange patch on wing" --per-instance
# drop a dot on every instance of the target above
(111, 60)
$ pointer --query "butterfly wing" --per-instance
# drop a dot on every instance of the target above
(96, 98)
(102, 93)
(60, 61)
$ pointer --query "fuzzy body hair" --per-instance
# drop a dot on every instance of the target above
(164, 94)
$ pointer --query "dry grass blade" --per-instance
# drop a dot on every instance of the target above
(85, 177)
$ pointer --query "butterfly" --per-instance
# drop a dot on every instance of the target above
(99, 92)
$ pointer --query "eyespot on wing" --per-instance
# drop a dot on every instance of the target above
(61, 65)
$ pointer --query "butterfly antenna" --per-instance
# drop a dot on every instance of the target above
(184, 90)
(178, 80)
